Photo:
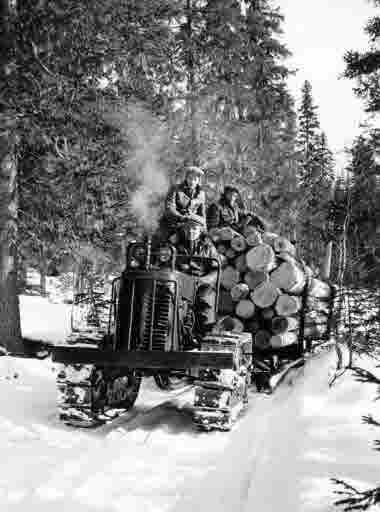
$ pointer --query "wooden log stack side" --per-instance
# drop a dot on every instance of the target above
(262, 288)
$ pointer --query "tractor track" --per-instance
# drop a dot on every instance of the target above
(141, 417)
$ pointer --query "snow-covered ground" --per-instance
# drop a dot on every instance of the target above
(280, 455)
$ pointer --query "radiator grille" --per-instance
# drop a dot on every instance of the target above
(156, 315)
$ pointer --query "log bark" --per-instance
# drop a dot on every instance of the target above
(289, 277)
(265, 295)
(230, 277)
(261, 257)
(245, 309)
(284, 339)
(287, 305)
(254, 278)
(239, 291)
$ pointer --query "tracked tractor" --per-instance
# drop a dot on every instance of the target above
(156, 328)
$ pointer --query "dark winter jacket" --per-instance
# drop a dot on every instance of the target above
(222, 214)
(182, 204)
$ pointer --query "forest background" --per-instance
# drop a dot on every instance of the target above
(102, 104)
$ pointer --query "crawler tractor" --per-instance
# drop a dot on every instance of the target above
(153, 330)
(160, 325)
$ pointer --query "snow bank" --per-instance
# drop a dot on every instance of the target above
(43, 320)
(280, 456)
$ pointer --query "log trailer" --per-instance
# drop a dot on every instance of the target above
(153, 331)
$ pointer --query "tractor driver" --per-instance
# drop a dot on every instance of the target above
(184, 218)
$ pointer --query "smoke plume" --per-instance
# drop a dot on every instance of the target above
(146, 142)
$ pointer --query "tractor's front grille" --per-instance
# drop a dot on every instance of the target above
(156, 315)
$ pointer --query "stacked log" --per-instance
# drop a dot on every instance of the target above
(267, 290)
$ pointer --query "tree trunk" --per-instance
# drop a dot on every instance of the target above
(10, 328)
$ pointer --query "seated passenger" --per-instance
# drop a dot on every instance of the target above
(185, 214)
(230, 211)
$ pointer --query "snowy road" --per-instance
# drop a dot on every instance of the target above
(279, 456)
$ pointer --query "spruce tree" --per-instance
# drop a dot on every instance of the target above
(316, 170)
(364, 67)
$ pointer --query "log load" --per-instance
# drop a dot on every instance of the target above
(267, 291)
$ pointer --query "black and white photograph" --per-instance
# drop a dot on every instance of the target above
(189, 255)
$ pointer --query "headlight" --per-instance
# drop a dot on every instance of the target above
(137, 257)
(138, 253)
(164, 254)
